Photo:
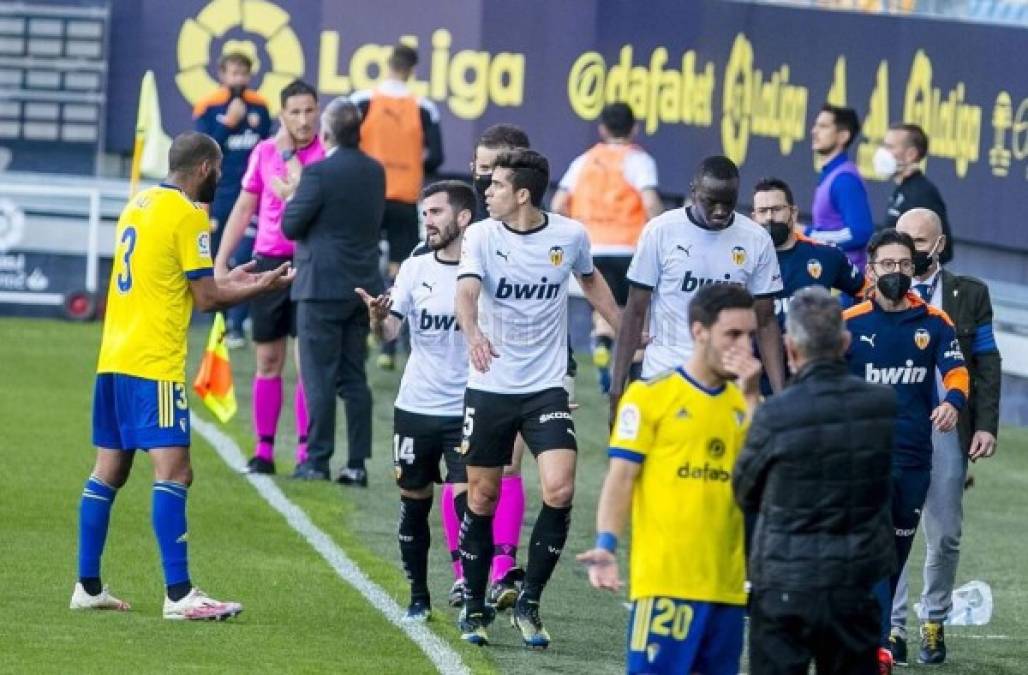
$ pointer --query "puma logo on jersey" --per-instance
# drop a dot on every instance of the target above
(869, 339)
(503, 255)
(429, 286)
(437, 321)
(541, 291)
(908, 374)
(691, 283)
(687, 250)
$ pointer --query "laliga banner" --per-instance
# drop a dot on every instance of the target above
(703, 77)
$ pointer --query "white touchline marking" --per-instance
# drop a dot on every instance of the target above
(441, 654)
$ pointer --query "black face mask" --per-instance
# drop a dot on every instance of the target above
(894, 285)
(922, 261)
(779, 232)
(482, 183)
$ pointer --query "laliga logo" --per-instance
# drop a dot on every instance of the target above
(252, 27)
(12, 224)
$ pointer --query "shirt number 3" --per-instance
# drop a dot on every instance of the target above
(128, 240)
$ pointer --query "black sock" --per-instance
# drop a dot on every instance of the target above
(415, 537)
(92, 585)
(460, 505)
(476, 553)
(180, 590)
(544, 547)
(604, 341)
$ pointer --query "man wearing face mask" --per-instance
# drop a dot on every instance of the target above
(899, 159)
(899, 340)
(803, 262)
(683, 250)
(966, 300)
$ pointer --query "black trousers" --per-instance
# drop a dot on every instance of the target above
(837, 629)
(333, 336)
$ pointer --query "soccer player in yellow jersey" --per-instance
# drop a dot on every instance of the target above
(672, 451)
(162, 266)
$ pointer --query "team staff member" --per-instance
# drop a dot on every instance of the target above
(271, 178)
(672, 454)
(841, 212)
(820, 545)
(899, 340)
(802, 261)
(899, 159)
(966, 300)
(238, 119)
(401, 131)
(429, 407)
(162, 265)
(612, 190)
(335, 219)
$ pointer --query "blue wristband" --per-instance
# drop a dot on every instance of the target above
(607, 541)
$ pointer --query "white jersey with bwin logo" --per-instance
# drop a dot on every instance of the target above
(676, 257)
(437, 370)
(523, 307)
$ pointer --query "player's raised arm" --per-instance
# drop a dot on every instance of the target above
(385, 324)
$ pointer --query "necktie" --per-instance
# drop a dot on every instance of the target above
(925, 291)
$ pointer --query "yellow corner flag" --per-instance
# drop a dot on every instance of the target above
(150, 154)
(214, 381)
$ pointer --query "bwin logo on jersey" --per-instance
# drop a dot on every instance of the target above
(739, 256)
(437, 322)
(541, 291)
(908, 374)
(556, 256)
(814, 268)
(921, 338)
(691, 283)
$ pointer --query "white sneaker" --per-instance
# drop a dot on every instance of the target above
(82, 600)
(197, 606)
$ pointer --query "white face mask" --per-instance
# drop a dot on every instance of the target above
(884, 163)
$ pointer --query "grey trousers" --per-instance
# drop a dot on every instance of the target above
(943, 517)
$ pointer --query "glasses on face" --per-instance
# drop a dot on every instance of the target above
(888, 265)
(771, 210)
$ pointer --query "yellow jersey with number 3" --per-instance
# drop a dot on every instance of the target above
(687, 531)
(163, 241)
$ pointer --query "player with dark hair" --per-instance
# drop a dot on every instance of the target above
(162, 267)
(672, 452)
(518, 264)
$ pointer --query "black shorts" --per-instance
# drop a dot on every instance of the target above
(614, 269)
(400, 224)
(419, 442)
(492, 421)
(273, 314)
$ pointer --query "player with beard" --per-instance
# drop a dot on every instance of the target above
(162, 266)
(680, 252)
(428, 416)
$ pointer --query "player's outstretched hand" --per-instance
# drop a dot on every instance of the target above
(378, 307)
(482, 353)
(272, 280)
(741, 363)
(603, 569)
(944, 417)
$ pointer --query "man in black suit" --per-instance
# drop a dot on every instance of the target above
(966, 301)
(335, 217)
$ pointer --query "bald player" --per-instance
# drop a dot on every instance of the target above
(966, 301)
